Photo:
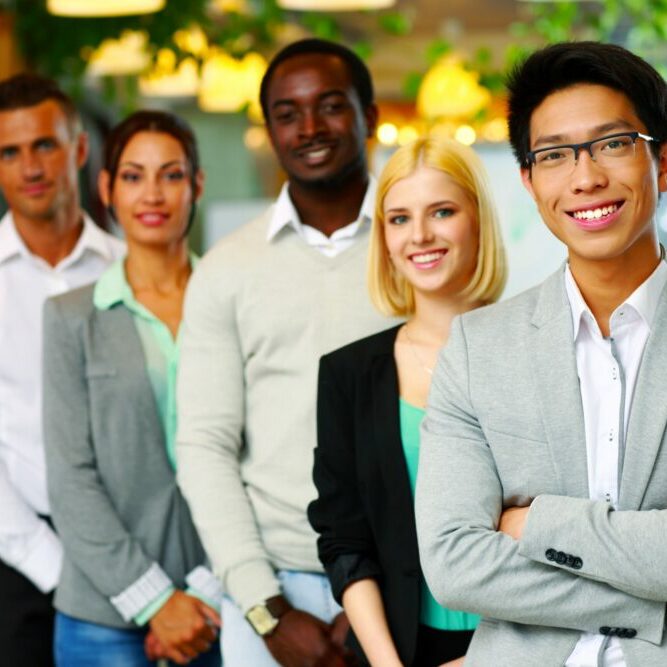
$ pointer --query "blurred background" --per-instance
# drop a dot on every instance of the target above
(437, 65)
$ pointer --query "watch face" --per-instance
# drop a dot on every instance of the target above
(261, 620)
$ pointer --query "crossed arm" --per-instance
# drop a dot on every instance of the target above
(459, 502)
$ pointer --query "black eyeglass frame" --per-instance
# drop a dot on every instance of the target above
(531, 156)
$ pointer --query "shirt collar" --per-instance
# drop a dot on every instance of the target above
(285, 214)
(112, 288)
(92, 238)
(644, 300)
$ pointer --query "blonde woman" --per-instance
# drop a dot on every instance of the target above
(436, 252)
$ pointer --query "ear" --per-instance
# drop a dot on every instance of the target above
(526, 179)
(662, 168)
(371, 116)
(104, 187)
(82, 147)
(199, 185)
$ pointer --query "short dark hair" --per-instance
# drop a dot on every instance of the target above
(359, 74)
(151, 121)
(560, 66)
(28, 90)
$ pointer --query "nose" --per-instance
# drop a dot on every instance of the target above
(31, 166)
(310, 123)
(587, 175)
(153, 192)
(421, 230)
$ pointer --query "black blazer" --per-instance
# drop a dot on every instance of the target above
(365, 511)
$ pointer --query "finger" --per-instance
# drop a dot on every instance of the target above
(177, 656)
(210, 614)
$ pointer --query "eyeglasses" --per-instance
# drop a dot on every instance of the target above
(607, 151)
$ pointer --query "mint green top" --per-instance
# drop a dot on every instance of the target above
(161, 353)
(430, 613)
(160, 347)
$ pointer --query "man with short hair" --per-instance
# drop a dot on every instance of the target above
(542, 490)
(261, 308)
(47, 246)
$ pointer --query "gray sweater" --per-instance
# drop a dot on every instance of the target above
(113, 493)
(258, 316)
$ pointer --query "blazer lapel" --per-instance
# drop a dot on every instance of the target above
(648, 414)
(556, 382)
(387, 439)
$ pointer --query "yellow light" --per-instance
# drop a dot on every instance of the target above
(450, 91)
(254, 138)
(495, 130)
(335, 5)
(465, 135)
(227, 84)
(193, 40)
(168, 80)
(123, 56)
(407, 134)
(387, 134)
(103, 7)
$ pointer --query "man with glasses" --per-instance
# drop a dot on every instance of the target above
(543, 473)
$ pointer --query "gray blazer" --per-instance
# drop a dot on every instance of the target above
(504, 426)
(112, 490)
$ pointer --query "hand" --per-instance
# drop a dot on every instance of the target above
(185, 626)
(302, 640)
(512, 521)
(152, 647)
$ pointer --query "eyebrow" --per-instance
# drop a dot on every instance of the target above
(327, 93)
(598, 130)
(444, 202)
(166, 165)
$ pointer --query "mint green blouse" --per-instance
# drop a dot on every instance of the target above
(160, 347)
(431, 613)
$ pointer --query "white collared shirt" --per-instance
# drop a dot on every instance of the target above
(285, 215)
(26, 281)
(607, 369)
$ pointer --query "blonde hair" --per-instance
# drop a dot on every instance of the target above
(391, 293)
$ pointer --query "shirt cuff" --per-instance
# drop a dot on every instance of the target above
(154, 607)
(44, 561)
(202, 583)
(137, 596)
(251, 583)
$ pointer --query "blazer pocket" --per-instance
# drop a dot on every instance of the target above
(524, 467)
(99, 371)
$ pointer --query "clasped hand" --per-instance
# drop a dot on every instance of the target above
(182, 629)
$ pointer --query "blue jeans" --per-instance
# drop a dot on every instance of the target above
(242, 647)
(83, 644)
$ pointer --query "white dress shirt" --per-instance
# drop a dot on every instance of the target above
(284, 214)
(607, 369)
(27, 543)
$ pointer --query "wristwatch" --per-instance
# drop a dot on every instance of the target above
(264, 618)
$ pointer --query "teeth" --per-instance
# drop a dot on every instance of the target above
(595, 213)
(318, 153)
(428, 257)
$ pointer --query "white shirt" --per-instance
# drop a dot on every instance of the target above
(607, 369)
(284, 215)
(27, 543)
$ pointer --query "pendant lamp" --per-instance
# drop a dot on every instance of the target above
(82, 8)
(335, 5)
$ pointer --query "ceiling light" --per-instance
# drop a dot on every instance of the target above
(335, 5)
(103, 7)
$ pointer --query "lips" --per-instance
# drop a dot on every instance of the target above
(35, 189)
(152, 219)
(316, 154)
(429, 259)
(596, 216)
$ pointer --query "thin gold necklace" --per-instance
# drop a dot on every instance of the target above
(416, 354)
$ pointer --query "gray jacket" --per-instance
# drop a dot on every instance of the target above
(504, 426)
(112, 490)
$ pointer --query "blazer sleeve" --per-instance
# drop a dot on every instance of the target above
(93, 535)
(458, 503)
(345, 545)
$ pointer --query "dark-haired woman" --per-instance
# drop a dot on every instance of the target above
(134, 585)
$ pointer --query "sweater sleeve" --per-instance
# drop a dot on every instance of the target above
(345, 546)
(211, 407)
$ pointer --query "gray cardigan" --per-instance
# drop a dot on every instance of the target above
(113, 493)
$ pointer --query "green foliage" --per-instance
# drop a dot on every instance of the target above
(395, 23)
